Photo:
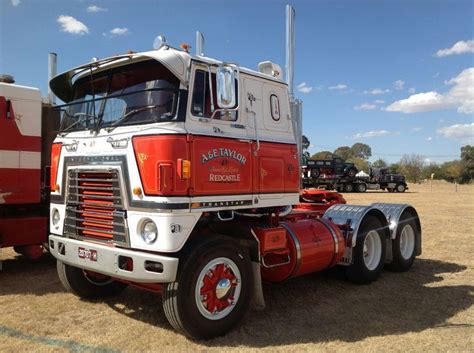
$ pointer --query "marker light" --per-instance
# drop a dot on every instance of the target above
(184, 170)
(185, 47)
(137, 190)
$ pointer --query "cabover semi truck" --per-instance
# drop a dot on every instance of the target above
(377, 179)
(26, 134)
(176, 173)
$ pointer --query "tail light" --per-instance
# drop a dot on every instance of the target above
(55, 154)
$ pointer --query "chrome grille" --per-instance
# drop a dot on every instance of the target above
(94, 205)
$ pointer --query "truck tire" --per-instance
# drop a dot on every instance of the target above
(315, 173)
(361, 187)
(401, 188)
(348, 187)
(404, 245)
(87, 284)
(212, 292)
(369, 252)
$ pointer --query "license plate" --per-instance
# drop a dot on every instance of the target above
(87, 254)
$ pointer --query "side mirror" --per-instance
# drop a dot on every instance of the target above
(226, 94)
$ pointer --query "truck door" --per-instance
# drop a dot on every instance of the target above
(219, 148)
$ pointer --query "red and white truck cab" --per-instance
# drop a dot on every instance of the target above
(176, 173)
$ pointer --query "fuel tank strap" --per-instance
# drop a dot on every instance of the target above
(334, 235)
(297, 247)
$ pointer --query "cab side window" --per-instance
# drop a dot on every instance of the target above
(201, 101)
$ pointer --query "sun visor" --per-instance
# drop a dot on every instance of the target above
(62, 85)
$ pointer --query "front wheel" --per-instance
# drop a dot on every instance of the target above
(88, 284)
(400, 188)
(213, 291)
(369, 252)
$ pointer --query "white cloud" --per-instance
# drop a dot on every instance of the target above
(368, 134)
(70, 25)
(95, 8)
(117, 31)
(339, 87)
(460, 132)
(436, 75)
(460, 47)
(379, 101)
(365, 106)
(377, 91)
(15, 3)
(416, 129)
(303, 88)
(398, 85)
(460, 96)
(429, 138)
(412, 90)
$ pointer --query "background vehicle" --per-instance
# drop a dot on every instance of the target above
(178, 173)
(27, 130)
(377, 179)
(334, 167)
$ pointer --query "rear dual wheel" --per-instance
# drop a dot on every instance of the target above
(404, 245)
(212, 292)
(369, 252)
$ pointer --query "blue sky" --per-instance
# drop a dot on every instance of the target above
(386, 73)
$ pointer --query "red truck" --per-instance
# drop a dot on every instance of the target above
(27, 131)
(177, 173)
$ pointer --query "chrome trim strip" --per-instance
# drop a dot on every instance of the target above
(297, 246)
(334, 236)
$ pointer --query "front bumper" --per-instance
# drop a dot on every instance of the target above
(105, 260)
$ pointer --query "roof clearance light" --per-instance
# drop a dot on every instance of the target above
(185, 47)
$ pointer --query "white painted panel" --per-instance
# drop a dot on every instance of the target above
(10, 159)
(30, 160)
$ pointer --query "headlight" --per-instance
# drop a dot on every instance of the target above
(148, 231)
(55, 217)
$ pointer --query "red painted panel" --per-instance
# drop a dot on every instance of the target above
(10, 137)
(23, 231)
(157, 159)
(276, 168)
(55, 154)
(221, 166)
(20, 185)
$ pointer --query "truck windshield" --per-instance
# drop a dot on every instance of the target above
(140, 93)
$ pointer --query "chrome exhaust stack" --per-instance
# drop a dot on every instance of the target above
(52, 71)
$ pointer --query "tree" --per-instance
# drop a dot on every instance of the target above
(395, 168)
(322, 155)
(411, 166)
(305, 143)
(344, 152)
(452, 170)
(379, 163)
(360, 163)
(467, 163)
(361, 150)
(304, 149)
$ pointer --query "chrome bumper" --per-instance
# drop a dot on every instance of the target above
(105, 260)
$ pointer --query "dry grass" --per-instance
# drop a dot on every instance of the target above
(428, 308)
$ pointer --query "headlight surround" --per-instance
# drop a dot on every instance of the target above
(148, 231)
(55, 217)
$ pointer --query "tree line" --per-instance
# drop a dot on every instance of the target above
(413, 166)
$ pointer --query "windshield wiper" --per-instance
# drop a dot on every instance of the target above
(129, 115)
(88, 117)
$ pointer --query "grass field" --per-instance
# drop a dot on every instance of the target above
(429, 308)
